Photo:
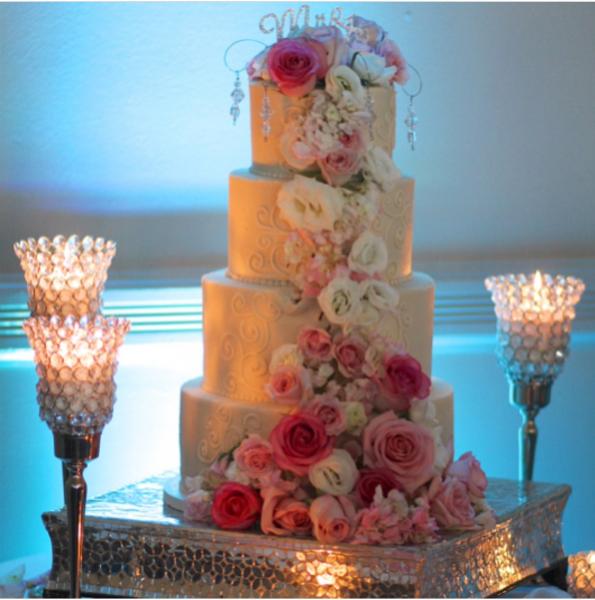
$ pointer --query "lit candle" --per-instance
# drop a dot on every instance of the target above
(581, 579)
(535, 316)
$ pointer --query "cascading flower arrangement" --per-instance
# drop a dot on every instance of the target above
(360, 457)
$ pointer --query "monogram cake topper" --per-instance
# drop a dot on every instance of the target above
(291, 21)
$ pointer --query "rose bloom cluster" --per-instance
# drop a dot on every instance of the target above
(353, 461)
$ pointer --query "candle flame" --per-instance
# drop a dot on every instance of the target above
(537, 281)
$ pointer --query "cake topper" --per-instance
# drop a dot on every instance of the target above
(301, 18)
(411, 119)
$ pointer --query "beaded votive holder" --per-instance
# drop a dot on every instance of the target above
(65, 276)
(76, 363)
(535, 316)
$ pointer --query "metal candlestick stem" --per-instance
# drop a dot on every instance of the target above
(75, 451)
(529, 398)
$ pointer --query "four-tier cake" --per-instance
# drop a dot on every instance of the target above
(318, 414)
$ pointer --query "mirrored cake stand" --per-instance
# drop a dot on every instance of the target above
(136, 546)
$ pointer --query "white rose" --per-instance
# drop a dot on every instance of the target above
(380, 294)
(308, 204)
(379, 167)
(296, 153)
(336, 474)
(356, 417)
(286, 355)
(368, 254)
(340, 301)
(343, 83)
(372, 68)
(369, 315)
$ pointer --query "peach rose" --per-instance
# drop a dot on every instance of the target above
(287, 384)
(315, 344)
(451, 505)
(283, 514)
(468, 470)
(339, 166)
(254, 456)
(404, 448)
(331, 412)
(333, 519)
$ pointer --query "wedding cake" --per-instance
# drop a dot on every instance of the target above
(318, 414)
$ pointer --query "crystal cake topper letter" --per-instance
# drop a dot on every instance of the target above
(301, 19)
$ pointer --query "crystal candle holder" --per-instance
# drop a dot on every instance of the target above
(76, 362)
(65, 276)
(535, 316)
(581, 576)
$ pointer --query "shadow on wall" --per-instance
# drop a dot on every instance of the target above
(149, 242)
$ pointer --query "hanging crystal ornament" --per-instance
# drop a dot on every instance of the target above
(411, 120)
(265, 114)
(237, 95)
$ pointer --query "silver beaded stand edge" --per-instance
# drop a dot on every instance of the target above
(136, 547)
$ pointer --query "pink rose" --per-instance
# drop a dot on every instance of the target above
(394, 58)
(403, 380)
(451, 506)
(315, 344)
(254, 456)
(235, 506)
(287, 384)
(333, 519)
(404, 448)
(337, 51)
(339, 166)
(283, 514)
(295, 64)
(299, 441)
(331, 412)
(197, 506)
(370, 479)
(350, 353)
(468, 470)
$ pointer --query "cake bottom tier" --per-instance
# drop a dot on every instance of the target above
(211, 425)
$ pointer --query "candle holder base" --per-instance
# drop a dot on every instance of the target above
(75, 451)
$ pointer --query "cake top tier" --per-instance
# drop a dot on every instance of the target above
(323, 89)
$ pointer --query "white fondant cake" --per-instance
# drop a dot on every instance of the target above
(317, 413)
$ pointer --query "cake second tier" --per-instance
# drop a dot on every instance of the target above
(245, 322)
(257, 233)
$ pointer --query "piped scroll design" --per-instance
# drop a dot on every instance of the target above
(246, 351)
(223, 432)
(392, 223)
(269, 261)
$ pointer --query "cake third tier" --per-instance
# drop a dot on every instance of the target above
(245, 322)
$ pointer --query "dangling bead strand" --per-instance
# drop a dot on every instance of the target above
(237, 95)
(411, 121)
